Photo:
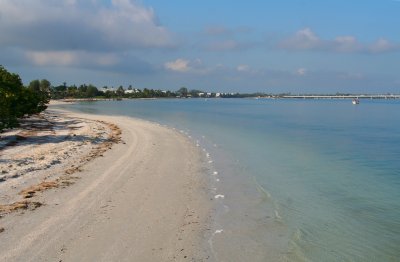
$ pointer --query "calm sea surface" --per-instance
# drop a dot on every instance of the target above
(301, 180)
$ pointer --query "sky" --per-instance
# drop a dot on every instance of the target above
(277, 46)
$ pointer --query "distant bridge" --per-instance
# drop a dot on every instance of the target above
(343, 96)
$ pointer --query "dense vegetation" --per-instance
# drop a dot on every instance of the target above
(17, 101)
(90, 91)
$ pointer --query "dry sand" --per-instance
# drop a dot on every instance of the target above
(74, 188)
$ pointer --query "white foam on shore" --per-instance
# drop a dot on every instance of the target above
(277, 215)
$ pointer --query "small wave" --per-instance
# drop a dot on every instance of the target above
(262, 190)
(277, 216)
(219, 196)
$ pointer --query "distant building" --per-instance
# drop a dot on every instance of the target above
(112, 89)
(134, 90)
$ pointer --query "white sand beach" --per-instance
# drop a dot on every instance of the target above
(81, 187)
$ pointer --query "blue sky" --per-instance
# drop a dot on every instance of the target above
(298, 46)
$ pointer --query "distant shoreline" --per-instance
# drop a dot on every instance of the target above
(312, 97)
(342, 96)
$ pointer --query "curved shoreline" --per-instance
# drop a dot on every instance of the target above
(145, 199)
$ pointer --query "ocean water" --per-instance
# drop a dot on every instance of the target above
(294, 180)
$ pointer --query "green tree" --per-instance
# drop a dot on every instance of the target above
(91, 91)
(41, 93)
(59, 92)
(44, 94)
(146, 93)
(195, 92)
(120, 91)
(45, 85)
(17, 101)
(72, 91)
(12, 104)
(34, 85)
(82, 91)
(183, 91)
(108, 94)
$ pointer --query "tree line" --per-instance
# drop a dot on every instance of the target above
(17, 101)
(85, 91)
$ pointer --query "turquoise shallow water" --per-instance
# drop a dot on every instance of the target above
(303, 180)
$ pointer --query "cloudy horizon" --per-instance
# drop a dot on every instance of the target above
(301, 46)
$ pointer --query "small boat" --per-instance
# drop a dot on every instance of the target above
(355, 101)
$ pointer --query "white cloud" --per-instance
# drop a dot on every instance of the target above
(59, 58)
(346, 44)
(113, 62)
(383, 45)
(179, 65)
(301, 72)
(306, 39)
(193, 67)
(243, 68)
(303, 39)
(83, 25)
(70, 58)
